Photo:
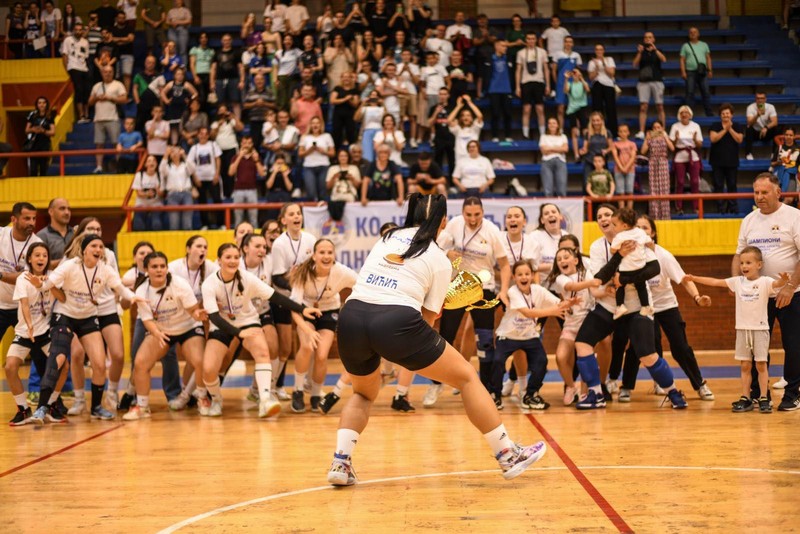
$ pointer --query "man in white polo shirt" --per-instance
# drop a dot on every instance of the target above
(775, 229)
(106, 95)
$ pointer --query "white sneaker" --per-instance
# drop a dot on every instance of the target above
(269, 407)
(620, 311)
(749, 157)
(639, 135)
(203, 406)
(252, 393)
(569, 395)
(78, 407)
(341, 472)
(612, 386)
(705, 393)
(179, 403)
(216, 408)
(297, 193)
(516, 460)
(552, 94)
(98, 170)
(624, 395)
(282, 394)
(136, 413)
(414, 143)
(495, 139)
(508, 388)
(780, 384)
(432, 395)
(658, 390)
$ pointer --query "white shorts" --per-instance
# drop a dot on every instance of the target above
(752, 345)
(22, 349)
(647, 90)
(571, 326)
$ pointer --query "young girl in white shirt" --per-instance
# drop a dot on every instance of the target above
(32, 336)
(573, 282)
(229, 298)
(518, 331)
(319, 282)
(83, 280)
(172, 316)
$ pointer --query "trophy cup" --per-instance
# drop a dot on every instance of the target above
(466, 290)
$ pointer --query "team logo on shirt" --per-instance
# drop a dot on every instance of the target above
(394, 259)
(775, 228)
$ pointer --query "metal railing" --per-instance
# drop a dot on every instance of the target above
(52, 44)
(62, 155)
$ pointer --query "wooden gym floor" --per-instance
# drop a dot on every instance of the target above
(638, 467)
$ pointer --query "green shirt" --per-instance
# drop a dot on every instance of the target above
(700, 50)
(511, 36)
(203, 58)
(154, 10)
(576, 97)
(601, 182)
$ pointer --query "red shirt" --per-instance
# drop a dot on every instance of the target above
(246, 174)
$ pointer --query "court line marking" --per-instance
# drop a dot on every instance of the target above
(576, 472)
(216, 511)
(59, 451)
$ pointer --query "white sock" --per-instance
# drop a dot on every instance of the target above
(597, 389)
(53, 397)
(80, 394)
(337, 389)
(522, 382)
(113, 386)
(316, 389)
(498, 439)
(200, 393)
(299, 380)
(526, 130)
(263, 379)
(131, 389)
(541, 130)
(143, 401)
(191, 385)
(346, 440)
(21, 400)
(402, 391)
(214, 389)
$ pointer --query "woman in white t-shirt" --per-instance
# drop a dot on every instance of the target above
(172, 316)
(322, 283)
(478, 243)
(316, 148)
(466, 122)
(32, 335)
(474, 174)
(392, 137)
(547, 235)
(344, 179)
(519, 331)
(176, 173)
(396, 299)
(147, 184)
(604, 95)
(277, 12)
(687, 137)
(554, 147)
(370, 113)
(83, 280)
(231, 297)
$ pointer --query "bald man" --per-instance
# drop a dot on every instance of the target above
(58, 233)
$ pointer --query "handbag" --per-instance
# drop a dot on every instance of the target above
(532, 66)
(29, 144)
(702, 69)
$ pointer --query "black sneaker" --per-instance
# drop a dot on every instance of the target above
(315, 403)
(498, 401)
(764, 405)
(328, 402)
(606, 395)
(126, 402)
(298, 404)
(534, 402)
(192, 402)
(400, 404)
(742, 405)
(21, 417)
(59, 405)
(54, 416)
(789, 405)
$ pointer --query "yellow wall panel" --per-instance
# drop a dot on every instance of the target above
(173, 244)
(26, 70)
(92, 191)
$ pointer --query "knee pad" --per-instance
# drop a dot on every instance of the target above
(61, 341)
(484, 340)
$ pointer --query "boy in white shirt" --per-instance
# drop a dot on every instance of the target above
(637, 267)
(752, 327)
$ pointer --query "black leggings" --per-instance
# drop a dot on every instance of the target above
(38, 166)
(344, 128)
(501, 108)
(206, 190)
(604, 100)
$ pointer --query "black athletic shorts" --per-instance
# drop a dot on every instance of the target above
(108, 320)
(81, 327)
(266, 318)
(327, 321)
(641, 333)
(180, 339)
(532, 93)
(8, 319)
(579, 119)
(281, 315)
(227, 339)
(597, 325)
(368, 332)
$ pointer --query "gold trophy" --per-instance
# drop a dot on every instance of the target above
(466, 290)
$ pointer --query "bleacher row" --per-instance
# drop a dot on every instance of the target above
(738, 72)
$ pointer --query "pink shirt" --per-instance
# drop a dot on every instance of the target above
(626, 150)
(306, 110)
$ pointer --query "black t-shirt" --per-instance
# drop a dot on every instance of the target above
(112, 48)
(458, 86)
(345, 108)
(444, 137)
(650, 59)
(382, 185)
(117, 32)
(106, 16)
(434, 171)
(227, 63)
(379, 23)
(41, 142)
(725, 152)
(420, 23)
(309, 58)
